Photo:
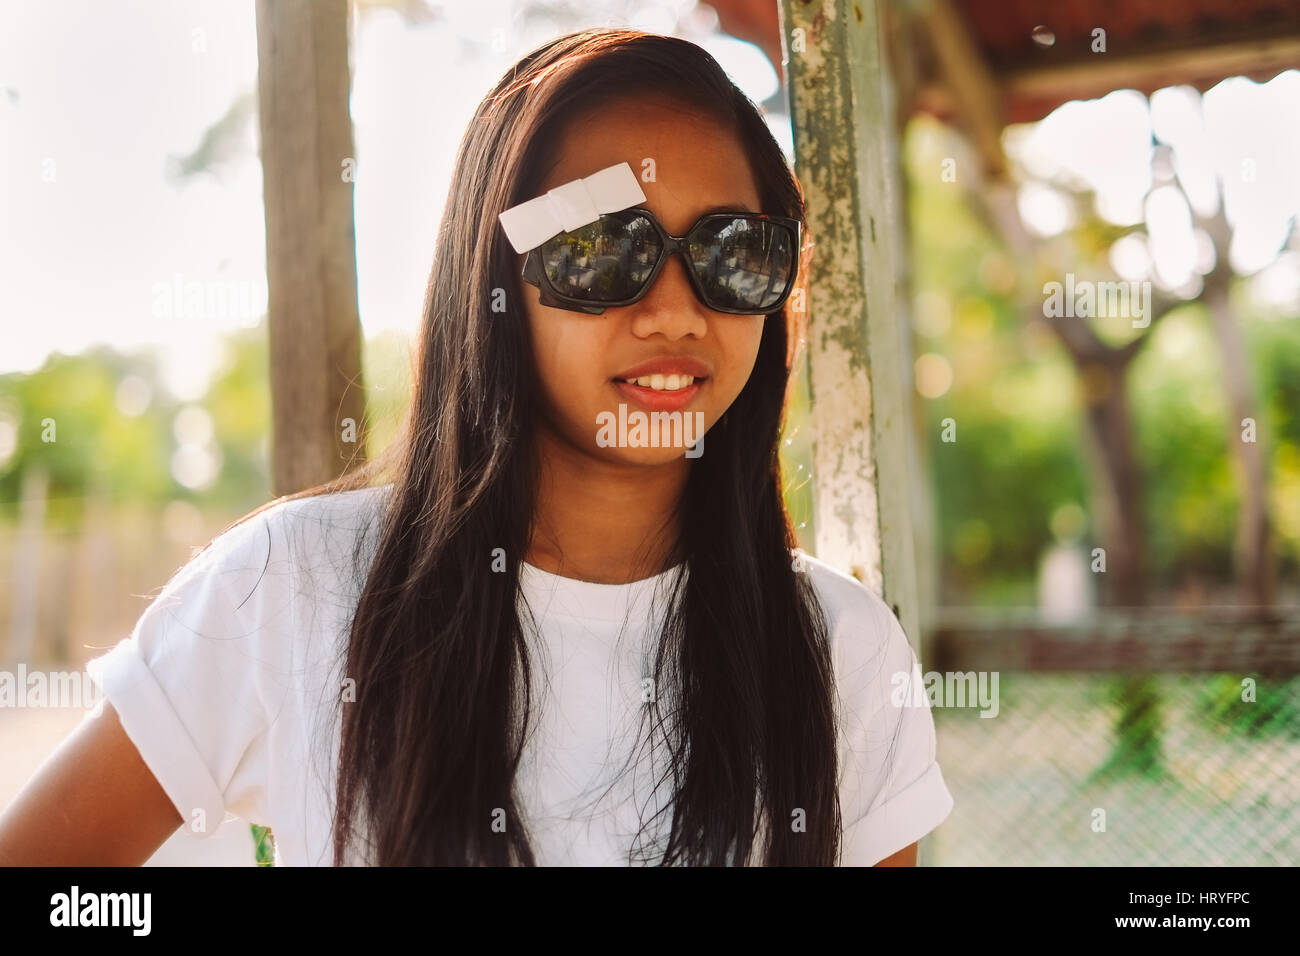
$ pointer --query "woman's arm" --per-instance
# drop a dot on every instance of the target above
(93, 802)
(904, 857)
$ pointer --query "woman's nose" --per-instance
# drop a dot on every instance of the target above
(670, 306)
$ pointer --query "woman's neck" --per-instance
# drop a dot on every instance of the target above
(604, 521)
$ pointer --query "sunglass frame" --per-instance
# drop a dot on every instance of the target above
(534, 274)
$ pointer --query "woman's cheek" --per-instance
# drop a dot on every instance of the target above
(575, 396)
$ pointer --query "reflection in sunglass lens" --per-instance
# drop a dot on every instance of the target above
(742, 263)
(606, 261)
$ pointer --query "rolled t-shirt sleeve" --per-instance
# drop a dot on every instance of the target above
(892, 791)
(197, 682)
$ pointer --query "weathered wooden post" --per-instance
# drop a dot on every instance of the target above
(868, 488)
(307, 162)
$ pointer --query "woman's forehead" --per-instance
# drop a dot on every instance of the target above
(685, 162)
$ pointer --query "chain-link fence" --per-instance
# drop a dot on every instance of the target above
(1081, 769)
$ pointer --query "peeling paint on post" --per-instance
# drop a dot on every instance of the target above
(864, 470)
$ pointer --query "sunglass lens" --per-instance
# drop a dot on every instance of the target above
(608, 260)
(742, 263)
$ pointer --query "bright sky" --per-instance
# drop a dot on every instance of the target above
(96, 96)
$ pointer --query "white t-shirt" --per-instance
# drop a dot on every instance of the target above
(229, 688)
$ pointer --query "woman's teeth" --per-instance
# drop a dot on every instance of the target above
(661, 383)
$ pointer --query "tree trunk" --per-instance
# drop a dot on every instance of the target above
(1253, 552)
(1117, 483)
(307, 161)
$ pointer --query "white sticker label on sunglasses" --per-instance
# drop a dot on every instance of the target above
(571, 206)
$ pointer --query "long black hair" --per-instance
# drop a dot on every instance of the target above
(431, 744)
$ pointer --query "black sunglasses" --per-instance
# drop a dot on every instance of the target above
(738, 262)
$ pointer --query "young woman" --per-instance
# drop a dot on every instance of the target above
(523, 636)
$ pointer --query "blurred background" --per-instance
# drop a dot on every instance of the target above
(135, 395)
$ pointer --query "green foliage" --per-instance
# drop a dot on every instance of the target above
(1181, 430)
(1275, 712)
(998, 484)
(1020, 452)
(1138, 731)
(239, 402)
(1274, 347)
(386, 370)
(263, 844)
(796, 459)
(125, 454)
(67, 424)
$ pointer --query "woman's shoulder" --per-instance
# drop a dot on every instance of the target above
(275, 569)
(213, 683)
(854, 613)
(871, 653)
(892, 791)
(347, 508)
(296, 534)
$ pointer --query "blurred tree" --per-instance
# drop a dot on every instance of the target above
(68, 418)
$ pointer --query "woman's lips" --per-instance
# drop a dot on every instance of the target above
(660, 400)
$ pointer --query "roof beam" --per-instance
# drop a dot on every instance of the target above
(970, 81)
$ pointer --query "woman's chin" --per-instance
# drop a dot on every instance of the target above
(651, 438)
(657, 456)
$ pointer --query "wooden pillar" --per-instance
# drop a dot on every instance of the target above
(868, 488)
(314, 326)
